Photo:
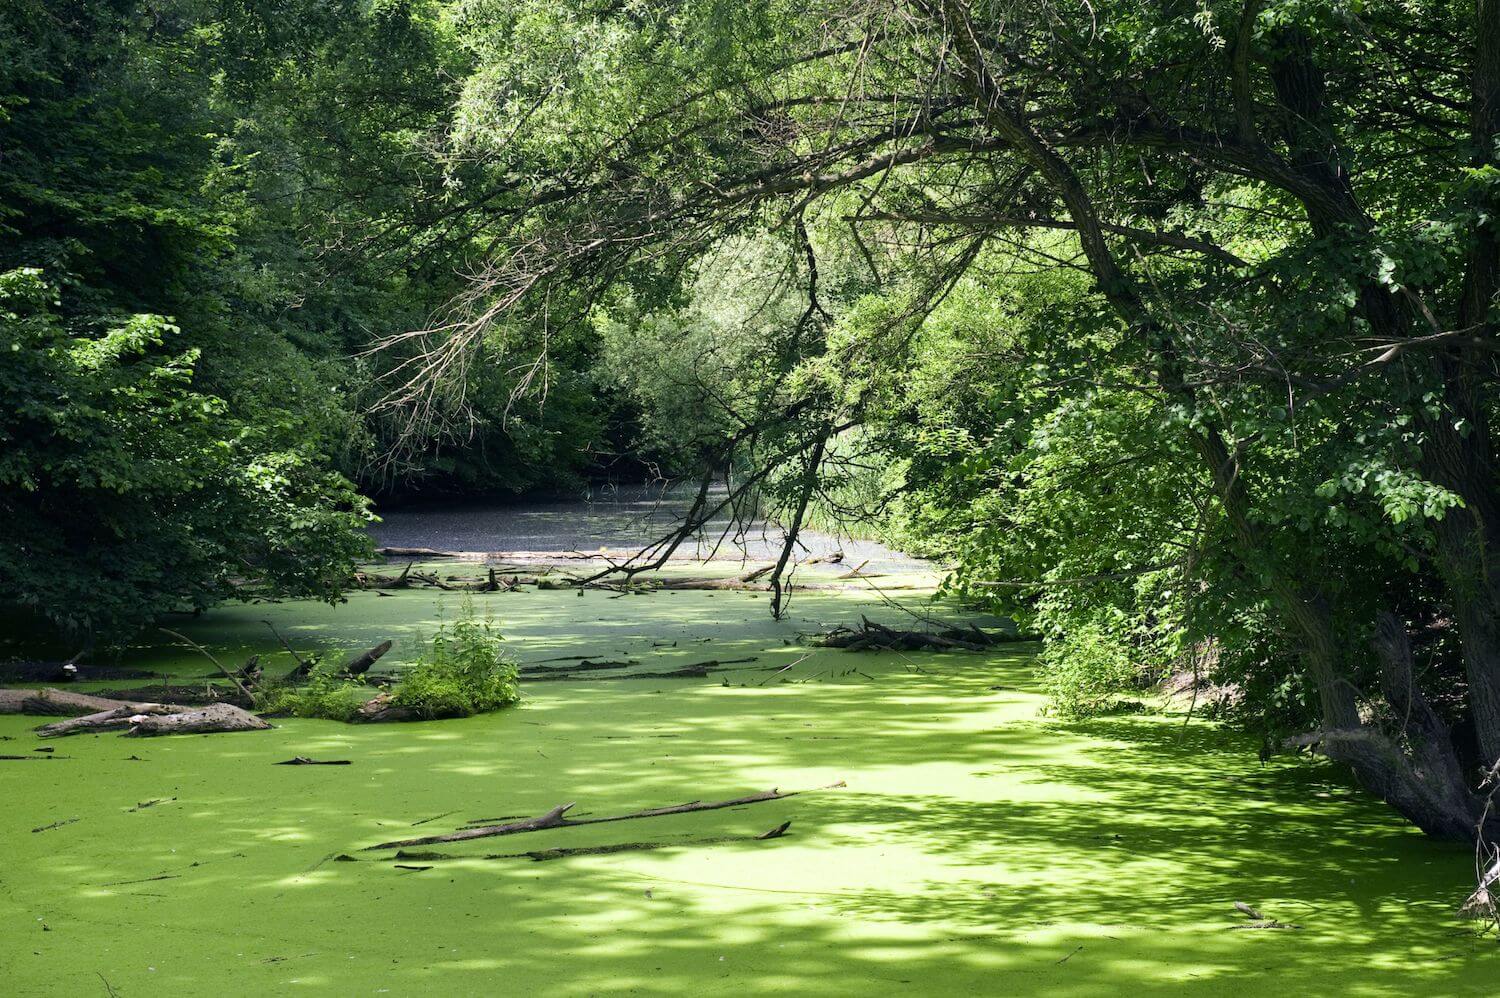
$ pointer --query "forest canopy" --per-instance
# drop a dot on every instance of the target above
(1170, 327)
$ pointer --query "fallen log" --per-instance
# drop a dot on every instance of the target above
(116, 718)
(382, 708)
(871, 635)
(542, 855)
(52, 702)
(303, 668)
(215, 718)
(697, 670)
(361, 663)
(302, 760)
(555, 818)
(585, 665)
(217, 664)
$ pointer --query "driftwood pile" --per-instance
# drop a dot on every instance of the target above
(870, 636)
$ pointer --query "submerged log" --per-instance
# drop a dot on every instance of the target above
(67, 672)
(555, 818)
(873, 636)
(542, 855)
(184, 695)
(697, 670)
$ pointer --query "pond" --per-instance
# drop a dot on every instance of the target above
(955, 838)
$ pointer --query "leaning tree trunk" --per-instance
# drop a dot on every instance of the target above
(1416, 769)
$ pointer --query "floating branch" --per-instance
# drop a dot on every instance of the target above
(542, 855)
(555, 819)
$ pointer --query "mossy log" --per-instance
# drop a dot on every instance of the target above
(556, 818)
(52, 702)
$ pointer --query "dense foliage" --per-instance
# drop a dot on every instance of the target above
(1172, 324)
(209, 211)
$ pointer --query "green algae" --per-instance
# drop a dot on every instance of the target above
(978, 847)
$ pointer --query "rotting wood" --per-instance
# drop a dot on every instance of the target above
(854, 572)
(67, 672)
(583, 665)
(143, 805)
(542, 855)
(55, 824)
(116, 718)
(52, 702)
(181, 695)
(875, 636)
(303, 668)
(555, 818)
(361, 663)
(697, 670)
(213, 719)
(1259, 921)
(382, 708)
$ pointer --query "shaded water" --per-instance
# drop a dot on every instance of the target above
(618, 520)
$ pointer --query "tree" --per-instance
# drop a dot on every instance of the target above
(1283, 211)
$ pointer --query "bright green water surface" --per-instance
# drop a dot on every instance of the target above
(978, 847)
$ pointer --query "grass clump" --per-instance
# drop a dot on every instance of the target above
(465, 671)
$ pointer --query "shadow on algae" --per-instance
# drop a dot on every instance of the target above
(978, 847)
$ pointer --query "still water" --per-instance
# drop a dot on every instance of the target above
(618, 520)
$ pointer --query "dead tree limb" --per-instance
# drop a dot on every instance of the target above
(361, 663)
(303, 668)
(209, 655)
(555, 818)
(542, 855)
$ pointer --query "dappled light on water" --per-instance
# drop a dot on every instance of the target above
(978, 846)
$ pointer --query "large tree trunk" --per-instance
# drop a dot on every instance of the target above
(1433, 799)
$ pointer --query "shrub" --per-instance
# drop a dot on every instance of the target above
(1087, 670)
(465, 671)
(327, 694)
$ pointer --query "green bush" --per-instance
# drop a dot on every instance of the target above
(327, 695)
(465, 671)
(1086, 671)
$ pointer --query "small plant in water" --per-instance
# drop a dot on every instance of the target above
(465, 671)
(328, 694)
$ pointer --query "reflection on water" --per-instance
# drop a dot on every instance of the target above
(618, 520)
